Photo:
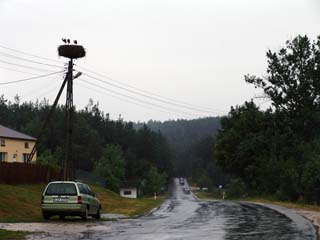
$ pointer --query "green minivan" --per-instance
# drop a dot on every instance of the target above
(68, 198)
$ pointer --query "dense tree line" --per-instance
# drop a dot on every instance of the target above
(276, 151)
(192, 144)
(94, 134)
(183, 136)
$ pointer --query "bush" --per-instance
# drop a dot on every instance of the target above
(236, 188)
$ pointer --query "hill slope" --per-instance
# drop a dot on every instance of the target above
(21, 203)
(183, 136)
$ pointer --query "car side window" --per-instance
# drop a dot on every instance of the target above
(90, 192)
(82, 189)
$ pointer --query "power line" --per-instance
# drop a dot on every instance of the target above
(148, 96)
(123, 99)
(29, 54)
(158, 97)
(174, 101)
(28, 60)
(44, 93)
(28, 79)
(15, 70)
(25, 66)
(141, 101)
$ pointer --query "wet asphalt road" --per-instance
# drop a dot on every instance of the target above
(185, 217)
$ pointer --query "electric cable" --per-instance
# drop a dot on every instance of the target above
(124, 100)
(169, 100)
(27, 60)
(38, 96)
(148, 96)
(25, 66)
(139, 100)
(29, 54)
(29, 79)
(15, 70)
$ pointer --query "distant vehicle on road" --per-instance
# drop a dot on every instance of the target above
(68, 198)
(186, 190)
(181, 181)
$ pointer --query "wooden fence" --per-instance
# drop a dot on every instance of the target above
(20, 173)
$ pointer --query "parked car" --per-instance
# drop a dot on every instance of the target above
(186, 190)
(68, 198)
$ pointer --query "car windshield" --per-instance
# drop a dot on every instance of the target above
(61, 189)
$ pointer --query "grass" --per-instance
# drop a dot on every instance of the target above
(204, 195)
(12, 235)
(286, 204)
(22, 203)
(113, 203)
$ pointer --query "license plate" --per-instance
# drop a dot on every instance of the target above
(60, 200)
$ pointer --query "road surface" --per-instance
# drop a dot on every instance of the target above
(184, 217)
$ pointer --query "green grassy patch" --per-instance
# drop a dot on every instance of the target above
(204, 195)
(12, 235)
(22, 203)
(114, 203)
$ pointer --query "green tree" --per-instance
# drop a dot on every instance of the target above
(154, 181)
(293, 84)
(111, 166)
(49, 159)
(241, 141)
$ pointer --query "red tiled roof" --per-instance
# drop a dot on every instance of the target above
(10, 133)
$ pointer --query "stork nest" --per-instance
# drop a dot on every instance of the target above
(71, 51)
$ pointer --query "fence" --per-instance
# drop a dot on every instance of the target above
(20, 173)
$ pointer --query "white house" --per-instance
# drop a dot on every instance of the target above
(130, 189)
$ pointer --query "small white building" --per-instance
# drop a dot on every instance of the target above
(130, 189)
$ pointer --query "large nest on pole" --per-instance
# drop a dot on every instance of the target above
(71, 51)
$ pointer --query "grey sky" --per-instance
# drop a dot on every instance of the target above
(188, 50)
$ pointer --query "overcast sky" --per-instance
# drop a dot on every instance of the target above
(190, 51)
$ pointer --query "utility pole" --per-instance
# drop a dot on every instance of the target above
(68, 166)
(72, 52)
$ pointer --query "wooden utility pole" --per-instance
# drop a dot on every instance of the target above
(68, 166)
(72, 52)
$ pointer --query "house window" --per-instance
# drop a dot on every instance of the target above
(26, 145)
(127, 192)
(3, 156)
(2, 143)
(25, 157)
